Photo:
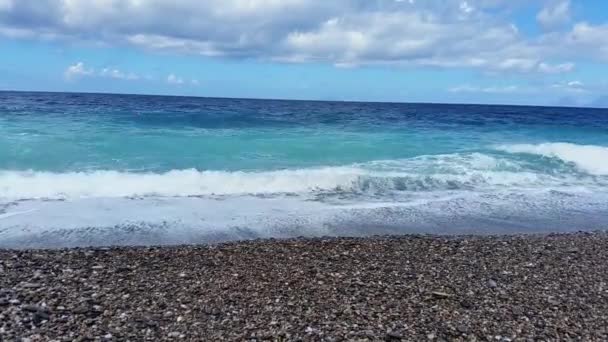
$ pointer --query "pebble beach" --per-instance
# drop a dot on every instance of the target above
(412, 288)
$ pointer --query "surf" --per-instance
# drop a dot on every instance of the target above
(592, 159)
(446, 172)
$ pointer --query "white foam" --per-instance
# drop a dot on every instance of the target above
(7, 215)
(425, 173)
(592, 159)
(120, 221)
(30, 184)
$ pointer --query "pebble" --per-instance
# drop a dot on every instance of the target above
(392, 336)
(463, 329)
(441, 295)
(34, 308)
(333, 289)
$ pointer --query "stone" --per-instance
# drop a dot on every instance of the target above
(517, 311)
(393, 336)
(39, 317)
(441, 295)
(81, 310)
(463, 329)
(466, 304)
(34, 308)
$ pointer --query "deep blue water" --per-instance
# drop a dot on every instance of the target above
(79, 169)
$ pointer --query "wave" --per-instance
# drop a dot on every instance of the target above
(474, 171)
(32, 184)
(592, 159)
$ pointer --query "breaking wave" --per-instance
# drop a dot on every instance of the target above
(473, 171)
(592, 159)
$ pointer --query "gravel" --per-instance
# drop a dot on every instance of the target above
(418, 288)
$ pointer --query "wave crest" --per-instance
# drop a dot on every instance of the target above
(30, 184)
(472, 171)
(592, 159)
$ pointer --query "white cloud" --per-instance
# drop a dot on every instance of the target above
(489, 90)
(172, 79)
(411, 39)
(555, 69)
(466, 7)
(555, 14)
(587, 39)
(571, 86)
(77, 70)
(344, 33)
(177, 80)
(117, 74)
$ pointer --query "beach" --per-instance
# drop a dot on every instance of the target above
(411, 288)
(268, 170)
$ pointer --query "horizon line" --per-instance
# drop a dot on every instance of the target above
(295, 100)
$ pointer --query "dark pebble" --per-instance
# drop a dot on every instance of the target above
(413, 288)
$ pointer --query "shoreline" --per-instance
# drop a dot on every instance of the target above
(412, 287)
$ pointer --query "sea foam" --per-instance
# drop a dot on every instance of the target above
(472, 171)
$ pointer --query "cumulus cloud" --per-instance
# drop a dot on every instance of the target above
(555, 14)
(77, 70)
(586, 38)
(345, 33)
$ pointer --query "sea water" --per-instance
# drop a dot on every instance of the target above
(92, 169)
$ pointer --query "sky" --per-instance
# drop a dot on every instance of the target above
(539, 52)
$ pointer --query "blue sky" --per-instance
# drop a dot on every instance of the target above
(478, 51)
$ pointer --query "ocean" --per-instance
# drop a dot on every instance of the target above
(96, 170)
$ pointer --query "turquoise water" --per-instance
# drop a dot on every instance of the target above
(86, 169)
